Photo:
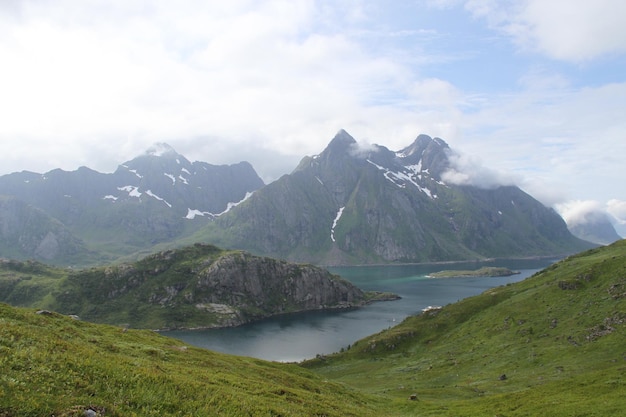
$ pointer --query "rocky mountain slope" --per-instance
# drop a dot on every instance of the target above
(349, 205)
(196, 286)
(156, 197)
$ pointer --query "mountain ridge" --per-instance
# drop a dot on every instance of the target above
(155, 197)
(352, 204)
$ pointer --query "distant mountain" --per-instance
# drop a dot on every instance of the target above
(26, 231)
(350, 205)
(156, 197)
(595, 227)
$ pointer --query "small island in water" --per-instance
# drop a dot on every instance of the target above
(486, 271)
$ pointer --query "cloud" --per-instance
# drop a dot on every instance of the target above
(617, 209)
(363, 149)
(470, 170)
(574, 31)
(580, 212)
(247, 76)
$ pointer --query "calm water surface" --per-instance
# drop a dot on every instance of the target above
(302, 336)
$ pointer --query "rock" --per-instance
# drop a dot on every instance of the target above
(503, 377)
(44, 312)
(413, 397)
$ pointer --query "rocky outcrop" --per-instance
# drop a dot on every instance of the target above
(204, 286)
(266, 284)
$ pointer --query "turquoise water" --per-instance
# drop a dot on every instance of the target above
(302, 336)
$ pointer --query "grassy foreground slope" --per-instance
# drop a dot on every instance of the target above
(553, 344)
(51, 364)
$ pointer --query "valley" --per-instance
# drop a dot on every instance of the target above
(553, 340)
(166, 244)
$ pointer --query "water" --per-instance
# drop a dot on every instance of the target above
(300, 336)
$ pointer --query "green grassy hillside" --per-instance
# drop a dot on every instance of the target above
(554, 343)
(53, 365)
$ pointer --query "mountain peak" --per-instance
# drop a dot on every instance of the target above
(430, 153)
(160, 149)
(422, 143)
(342, 139)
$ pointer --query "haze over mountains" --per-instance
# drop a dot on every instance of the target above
(85, 215)
(347, 205)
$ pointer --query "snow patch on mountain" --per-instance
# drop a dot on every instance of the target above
(109, 197)
(400, 178)
(229, 206)
(192, 213)
(183, 180)
(151, 194)
(131, 190)
(170, 176)
(337, 217)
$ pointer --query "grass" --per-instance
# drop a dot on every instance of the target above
(553, 344)
(53, 365)
(555, 341)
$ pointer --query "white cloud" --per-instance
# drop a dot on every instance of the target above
(244, 75)
(564, 143)
(97, 82)
(579, 212)
(567, 30)
(470, 170)
(617, 209)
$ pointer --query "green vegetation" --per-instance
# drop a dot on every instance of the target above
(555, 341)
(486, 271)
(199, 286)
(52, 365)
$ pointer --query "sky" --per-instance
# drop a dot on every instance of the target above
(529, 92)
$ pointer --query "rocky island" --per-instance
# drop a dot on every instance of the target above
(486, 271)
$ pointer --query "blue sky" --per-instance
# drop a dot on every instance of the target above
(530, 92)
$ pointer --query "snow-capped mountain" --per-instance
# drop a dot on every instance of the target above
(372, 205)
(156, 197)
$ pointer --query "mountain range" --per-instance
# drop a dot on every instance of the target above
(86, 217)
(353, 205)
(346, 205)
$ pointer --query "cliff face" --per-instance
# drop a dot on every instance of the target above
(267, 284)
(202, 286)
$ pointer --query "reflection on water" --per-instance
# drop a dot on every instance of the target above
(304, 335)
